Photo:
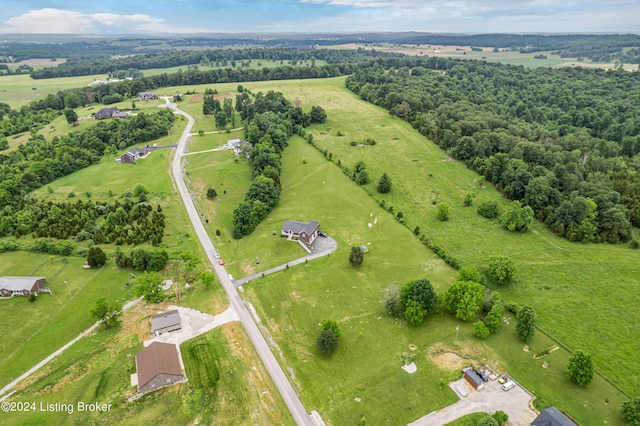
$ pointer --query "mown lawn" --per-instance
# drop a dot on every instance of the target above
(241, 394)
(32, 331)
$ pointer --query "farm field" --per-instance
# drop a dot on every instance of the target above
(464, 52)
(19, 90)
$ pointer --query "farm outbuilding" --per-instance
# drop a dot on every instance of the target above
(473, 378)
(166, 322)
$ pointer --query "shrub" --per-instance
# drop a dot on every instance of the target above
(480, 330)
(489, 209)
(442, 213)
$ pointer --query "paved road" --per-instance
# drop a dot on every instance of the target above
(278, 376)
(324, 247)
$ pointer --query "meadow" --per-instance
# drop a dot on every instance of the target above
(19, 90)
(32, 331)
(583, 294)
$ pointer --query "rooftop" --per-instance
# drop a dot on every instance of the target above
(157, 358)
(18, 283)
(165, 319)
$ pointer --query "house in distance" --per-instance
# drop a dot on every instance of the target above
(112, 112)
(145, 96)
(133, 154)
(22, 286)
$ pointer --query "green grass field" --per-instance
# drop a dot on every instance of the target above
(32, 331)
(19, 90)
(555, 276)
(88, 373)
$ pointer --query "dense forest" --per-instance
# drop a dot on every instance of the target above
(218, 57)
(270, 120)
(565, 142)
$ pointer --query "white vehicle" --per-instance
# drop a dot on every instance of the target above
(217, 255)
(507, 385)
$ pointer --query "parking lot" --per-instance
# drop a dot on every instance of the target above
(492, 398)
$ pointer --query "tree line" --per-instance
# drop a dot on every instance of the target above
(217, 57)
(270, 120)
(565, 142)
(38, 162)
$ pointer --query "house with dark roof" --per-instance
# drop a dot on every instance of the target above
(106, 113)
(166, 322)
(473, 378)
(240, 147)
(552, 417)
(305, 232)
(145, 96)
(134, 153)
(22, 286)
(158, 365)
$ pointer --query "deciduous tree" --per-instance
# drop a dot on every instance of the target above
(149, 286)
(631, 412)
(442, 213)
(463, 299)
(580, 368)
(106, 312)
(501, 269)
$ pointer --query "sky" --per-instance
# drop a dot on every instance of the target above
(113, 17)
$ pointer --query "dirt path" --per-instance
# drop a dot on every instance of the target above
(56, 353)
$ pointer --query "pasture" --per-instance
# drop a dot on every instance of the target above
(32, 331)
(571, 286)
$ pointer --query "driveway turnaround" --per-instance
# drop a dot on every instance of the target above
(515, 403)
(193, 323)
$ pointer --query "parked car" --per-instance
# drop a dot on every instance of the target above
(503, 379)
(508, 385)
(220, 262)
(217, 255)
(482, 375)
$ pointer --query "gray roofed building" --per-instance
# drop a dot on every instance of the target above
(552, 417)
(106, 112)
(306, 232)
(473, 378)
(239, 146)
(166, 322)
(21, 286)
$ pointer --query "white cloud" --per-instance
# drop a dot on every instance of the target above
(57, 21)
(50, 21)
